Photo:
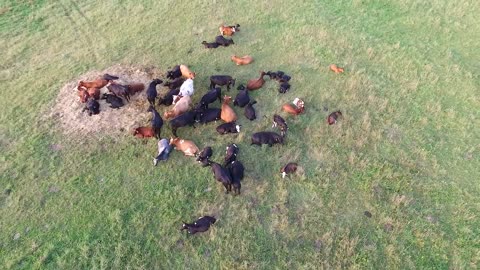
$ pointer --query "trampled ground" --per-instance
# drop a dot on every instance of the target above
(407, 149)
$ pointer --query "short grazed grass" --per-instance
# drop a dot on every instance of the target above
(407, 149)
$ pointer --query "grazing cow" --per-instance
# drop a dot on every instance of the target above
(332, 118)
(93, 107)
(228, 128)
(236, 170)
(174, 73)
(186, 72)
(157, 121)
(231, 154)
(187, 147)
(115, 102)
(222, 80)
(210, 97)
(266, 137)
(164, 149)
(255, 84)
(144, 132)
(282, 124)
(119, 90)
(223, 41)
(167, 100)
(186, 119)
(250, 111)
(336, 69)
(221, 175)
(176, 83)
(229, 30)
(284, 87)
(180, 107)
(205, 155)
(242, 98)
(207, 115)
(228, 114)
(290, 168)
(212, 45)
(83, 94)
(245, 60)
(187, 88)
(152, 91)
(296, 109)
(201, 225)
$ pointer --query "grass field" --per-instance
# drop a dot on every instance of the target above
(407, 149)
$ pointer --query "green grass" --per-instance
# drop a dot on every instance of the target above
(407, 150)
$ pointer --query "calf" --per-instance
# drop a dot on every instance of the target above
(201, 225)
(187, 147)
(210, 97)
(205, 155)
(242, 98)
(115, 102)
(144, 132)
(228, 128)
(174, 73)
(336, 69)
(134, 88)
(245, 60)
(157, 121)
(266, 137)
(222, 80)
(119, 90)
(250, 111)
(152, 91)
(229, 30)
(93, 107)
(282, 124)
(167, 100)
(164, 149)
(212, 45)
(186, 119)
(291, 167)
(223, 41)
(332, 118)
(180, 107)
(231, 153)
(208, 115)
(176, 83)
(221, 175)
(236, 170)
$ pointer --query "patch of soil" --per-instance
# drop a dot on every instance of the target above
(67, 111)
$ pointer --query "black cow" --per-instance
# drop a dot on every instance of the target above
(185, 119)
(201, 225)
(266, 137)
(222, 80)
(236, 170)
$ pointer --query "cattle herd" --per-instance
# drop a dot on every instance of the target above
(181, 113)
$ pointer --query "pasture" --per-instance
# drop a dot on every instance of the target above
(407, 149)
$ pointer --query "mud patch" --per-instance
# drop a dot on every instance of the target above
(67, 111)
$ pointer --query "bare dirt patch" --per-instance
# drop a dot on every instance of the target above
(67, 111)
